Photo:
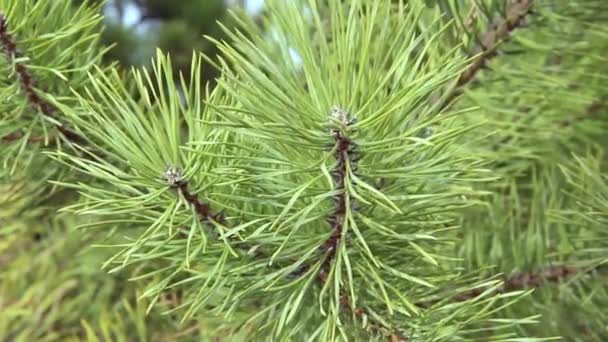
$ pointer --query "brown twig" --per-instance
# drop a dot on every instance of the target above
(203, 209)
(347, 157)
(525, 280)
(345, 153)
(173, 176)
(15, 136)
(28, 86)
(591, 111)
(500, 30)
(520, 281)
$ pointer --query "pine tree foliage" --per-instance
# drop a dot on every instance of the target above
(42, 60)
(552, 112)
(363, 170)
(52, 287)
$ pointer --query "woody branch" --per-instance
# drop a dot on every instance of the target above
(28, 86)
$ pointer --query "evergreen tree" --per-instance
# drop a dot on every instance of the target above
(362, 170)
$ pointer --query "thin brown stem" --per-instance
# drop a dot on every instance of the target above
(525, 280)
(16, 136)
(173, 176)
(347, 157)
(591, 111)
(203, 209)
(345, 150)
(500, 30)
(28, 86)
(521, 281)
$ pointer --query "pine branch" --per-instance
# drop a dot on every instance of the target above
(591, 111)
(345, 154)
(522, 281)
(28, 86)
(173, 177)
(347, 157)
(203, 209)
(15, 136)
(344, 151)
(526, 280)
(500, 30)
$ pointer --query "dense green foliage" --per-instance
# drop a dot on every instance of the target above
(401, 170)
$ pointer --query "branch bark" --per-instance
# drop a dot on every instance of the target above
(347, 157)
(345, 153)
(28, 86)
(521, 281)
(500, 30)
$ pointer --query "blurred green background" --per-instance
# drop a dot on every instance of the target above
(136, 27)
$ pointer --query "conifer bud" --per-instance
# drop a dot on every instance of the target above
(173, 176)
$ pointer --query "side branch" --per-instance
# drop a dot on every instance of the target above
(17, 136)
(592, 110)
(28, 85)
(522, 281)
(525, 280)
(203, 209)
(173, 177)
(500, 30)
